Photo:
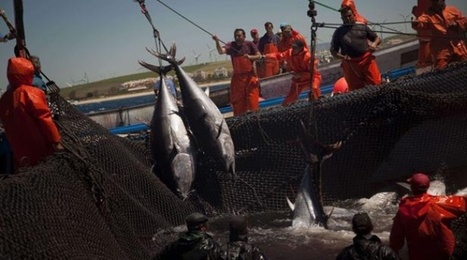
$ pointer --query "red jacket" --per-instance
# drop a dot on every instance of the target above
(424, 222)
(26, 117)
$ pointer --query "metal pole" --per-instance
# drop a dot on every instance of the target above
(20, 48)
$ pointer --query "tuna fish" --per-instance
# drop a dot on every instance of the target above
(206, 121)
(308, 207)
(172, 147)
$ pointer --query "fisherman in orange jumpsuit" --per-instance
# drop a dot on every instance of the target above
(447, 27)
(299, 60)
(350, 43)
(423, 221)
(26, 116)
(351, 4)
(244, 85)
(268, 44)
(289, 35)
(425, 61)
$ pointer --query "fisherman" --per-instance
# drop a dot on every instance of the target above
(254, 36)
(244, 85)
(268, 43)
(365, 244)
(299, 60)
(289, 35)
(12, 34)
(37, 81)
(26, 117)
(446, 28)
(238, 247)
(425, 61)
(195, 244)
(350, 44)
(423, 221)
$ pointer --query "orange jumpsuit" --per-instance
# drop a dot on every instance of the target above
(424, 221)
(446, 31)
(244, 84)
(301, 69)
(286, 43)
(271, 66)
(424, 56)
(361, 71)
(351, 4)
(26, 117)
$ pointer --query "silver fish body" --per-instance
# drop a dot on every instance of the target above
(172, 148)
(206, 121)
(308, 208)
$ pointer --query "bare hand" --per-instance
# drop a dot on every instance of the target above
(215, 38)
(2, 13)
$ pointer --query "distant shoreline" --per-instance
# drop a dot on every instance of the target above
(139, 94)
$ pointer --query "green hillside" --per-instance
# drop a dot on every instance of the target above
(110, 87)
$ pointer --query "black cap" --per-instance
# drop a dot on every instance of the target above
(238, 224)
(195, 219)
(361, 224)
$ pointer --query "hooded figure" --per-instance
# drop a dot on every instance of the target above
(26, 117)
(423, 221)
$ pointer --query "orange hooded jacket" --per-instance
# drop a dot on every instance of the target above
(26, 117)
(446, 34)
(351, 4)
(424, 222)
(300, 65)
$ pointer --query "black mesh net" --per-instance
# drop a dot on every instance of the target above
(99, 199)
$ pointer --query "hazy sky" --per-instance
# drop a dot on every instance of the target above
(105, 38)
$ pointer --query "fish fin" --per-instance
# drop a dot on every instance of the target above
(167, 57)
(328, 216)
(405, 186)
(180, 61)
(161, 70)
(173, 50)
(206, 91)
(291, 205)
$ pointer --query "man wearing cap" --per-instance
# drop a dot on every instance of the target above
(254, 36)
(365, 244)
(268, 43)
(289, 35)
(299, 59)
(238, 246)
(195, 244)
(350, 43)
(244, 84)
(423, 221)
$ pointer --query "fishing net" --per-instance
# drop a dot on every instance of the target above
(99, 198)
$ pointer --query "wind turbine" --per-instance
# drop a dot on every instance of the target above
(196, 57)
(210, 53)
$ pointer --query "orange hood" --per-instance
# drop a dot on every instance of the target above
(20, 71)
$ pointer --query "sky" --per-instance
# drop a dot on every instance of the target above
(102, 39)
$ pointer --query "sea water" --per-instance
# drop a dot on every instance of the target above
(116, 103)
